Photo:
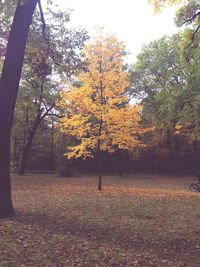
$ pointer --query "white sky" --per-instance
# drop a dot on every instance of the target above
(133, 21)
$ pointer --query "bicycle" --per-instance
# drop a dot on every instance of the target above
(195, 187)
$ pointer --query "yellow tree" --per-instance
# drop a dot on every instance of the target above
(98, 113)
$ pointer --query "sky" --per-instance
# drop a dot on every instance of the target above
(133, 21)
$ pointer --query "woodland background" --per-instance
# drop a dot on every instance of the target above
(164, 79)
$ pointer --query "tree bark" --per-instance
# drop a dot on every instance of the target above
(14, 153)
(177, 153)
(99, 156)
(120, 162)
(28, 145)
(99, 166)
(9, 84)
(39, 118)
(196, 169)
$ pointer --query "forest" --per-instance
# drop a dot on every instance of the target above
(163, 82)
(74, 113)
(81, 108)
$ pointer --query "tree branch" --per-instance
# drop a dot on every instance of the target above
(43, 21)
(56, 115)
(31, 82)
(49, 51)
(193, 36)
(42, 100)
(47, 111)
(190, 19)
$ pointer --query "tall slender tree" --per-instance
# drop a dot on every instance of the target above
(98, 113)
(9, 84)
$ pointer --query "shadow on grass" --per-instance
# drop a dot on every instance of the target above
(63, 225)
(163, 245)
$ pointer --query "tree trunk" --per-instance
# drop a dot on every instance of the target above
(14, 153)
(99, 170)
(120, 163)
(52, 137)
(6, 207)
(99, 156)
(177, 153)
(9, 85)
(171, 156)
(27, 148)
(26, 153)
(196, 163)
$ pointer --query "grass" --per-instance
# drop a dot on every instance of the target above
(139, 220)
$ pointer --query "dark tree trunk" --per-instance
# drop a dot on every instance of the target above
(120, 163)
(177, 153)
(9, 85)
(28, 145)
(169, 144)
(99, 170)
(99, 155)
(26, 153)
(14, 153)
(27, 149)
(171, 156)
(52, 137)
(196, 163)
(6, 208)
(52, 141)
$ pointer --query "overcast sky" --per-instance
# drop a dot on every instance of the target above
(133, 21)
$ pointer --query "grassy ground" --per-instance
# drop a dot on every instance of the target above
(143, 220)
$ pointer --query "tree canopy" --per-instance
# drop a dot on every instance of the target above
(98, 113)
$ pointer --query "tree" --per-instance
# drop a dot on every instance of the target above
(9, 84)
(44, 60)
(157, 78)
(97, 113)
(159, 4)
(187, 13)
(166, 79)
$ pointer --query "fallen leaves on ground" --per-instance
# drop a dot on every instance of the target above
(67, 222)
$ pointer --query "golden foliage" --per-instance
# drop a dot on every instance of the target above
(159, 4)
(99, 112)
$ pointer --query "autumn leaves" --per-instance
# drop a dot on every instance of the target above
(98, 115)
(99, 109)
